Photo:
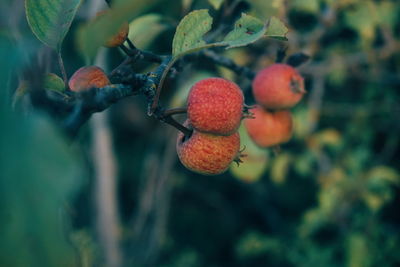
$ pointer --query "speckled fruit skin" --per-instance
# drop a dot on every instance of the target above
(88, 77)
(215, 105)
(278, 86)
(269, 128)
(207, 154)
(119, 38)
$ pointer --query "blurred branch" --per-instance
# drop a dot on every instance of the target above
(105, 191)
(228, 63)
(145, 55)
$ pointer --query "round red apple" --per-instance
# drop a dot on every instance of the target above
(207, 154)
(88, 77)
(269, 128)
(278, 86)
(215, 105)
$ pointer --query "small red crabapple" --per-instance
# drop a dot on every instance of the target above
(207, 154)
(215, 105)
(278, 86)
(269, 128)
(88, 77)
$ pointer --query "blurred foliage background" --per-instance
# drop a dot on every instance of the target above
(117, 196)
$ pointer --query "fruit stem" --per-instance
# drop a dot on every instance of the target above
(171, 121)
(174, 111)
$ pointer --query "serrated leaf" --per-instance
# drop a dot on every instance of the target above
(190, 31)
(92, 35)
(216, 4)
(51, 20)
(276, 29)
(246, 30)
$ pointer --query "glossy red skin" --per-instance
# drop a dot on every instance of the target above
(207, 154)
(278, 86)
(88, 77)
(269, 128)
(215, 105)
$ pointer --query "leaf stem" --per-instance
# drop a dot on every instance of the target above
(160, 85)
(62, 68)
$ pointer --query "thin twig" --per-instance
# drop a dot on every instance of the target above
(146, 55)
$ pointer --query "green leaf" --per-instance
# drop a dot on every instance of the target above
(51, 20)
(190, 31)
(265, 9)
(254, 163)
(276, 29)
(357, 250)
(216, 4)
(92, 35)
(363, 19)
(311, 6)
(53, 82)
(280, 168)
(247, 30)
(145, 29)
(39, 173)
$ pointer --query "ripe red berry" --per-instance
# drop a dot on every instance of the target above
(88, 77)
(269, 128)
(207, 154)
(278, 86)
(215, 105)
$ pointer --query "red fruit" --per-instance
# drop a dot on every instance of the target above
(120, 37)
(215, 105)
(88, 77)
(269, 128)
(207, 154)
(278, 86)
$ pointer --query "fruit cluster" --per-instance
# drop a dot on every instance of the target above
(214, 110)
(276, 89)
